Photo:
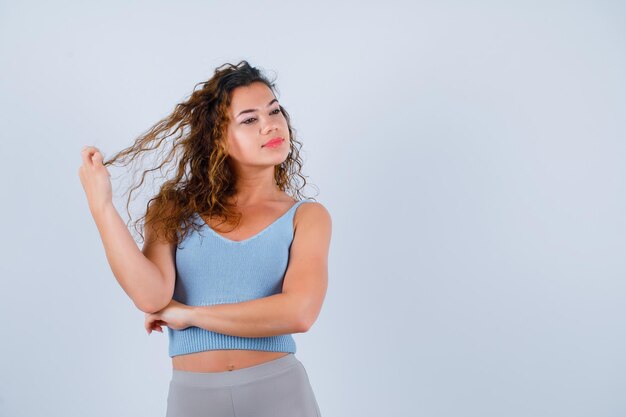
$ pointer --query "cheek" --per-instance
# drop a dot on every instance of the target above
(236, 142)
(242, 147)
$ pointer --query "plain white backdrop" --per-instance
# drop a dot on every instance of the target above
(471, 154)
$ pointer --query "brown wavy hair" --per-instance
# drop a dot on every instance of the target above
(204, 180)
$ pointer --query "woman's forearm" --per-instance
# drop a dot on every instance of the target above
(262, 317)
(138, 276)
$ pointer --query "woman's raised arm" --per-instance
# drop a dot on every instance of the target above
(147, 276)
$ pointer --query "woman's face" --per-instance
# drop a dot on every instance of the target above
(255, 119)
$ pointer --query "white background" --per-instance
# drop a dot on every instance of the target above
(471, 154)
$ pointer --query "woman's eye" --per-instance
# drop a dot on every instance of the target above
(252, 118)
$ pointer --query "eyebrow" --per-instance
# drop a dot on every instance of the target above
(252, 110)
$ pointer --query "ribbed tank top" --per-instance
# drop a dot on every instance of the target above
(212, 269)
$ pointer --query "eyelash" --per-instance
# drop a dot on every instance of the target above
(245, 121)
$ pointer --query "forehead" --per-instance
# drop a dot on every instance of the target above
(253, 96)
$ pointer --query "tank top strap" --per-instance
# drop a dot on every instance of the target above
(306, 200)
(295, 206)
(289, 215)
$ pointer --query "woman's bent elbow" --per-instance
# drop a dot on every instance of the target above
(153, 307)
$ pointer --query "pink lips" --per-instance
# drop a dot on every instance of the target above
(274, 143)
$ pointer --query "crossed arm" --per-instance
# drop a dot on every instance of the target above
(292, 311)
(269, 316)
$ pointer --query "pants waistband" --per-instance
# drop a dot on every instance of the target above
(238, 376)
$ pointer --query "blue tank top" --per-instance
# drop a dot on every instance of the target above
(212, 269)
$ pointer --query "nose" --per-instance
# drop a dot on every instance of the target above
(270, 124)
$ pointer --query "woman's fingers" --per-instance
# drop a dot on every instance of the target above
(91, 156)
(157, 325)
(86, 156)
(95, 178)
(88, 152)
(148, 323)
(152, 323)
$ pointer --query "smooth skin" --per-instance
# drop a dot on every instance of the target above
(260, 202)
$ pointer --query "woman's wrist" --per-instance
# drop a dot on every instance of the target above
(192, 315)
(101, 209)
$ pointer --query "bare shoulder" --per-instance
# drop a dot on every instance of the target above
(313, 213)
(312, 230)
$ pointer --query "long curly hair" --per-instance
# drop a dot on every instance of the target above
(204, 180)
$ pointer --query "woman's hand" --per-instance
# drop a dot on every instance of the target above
(95, 178)
(175, 315)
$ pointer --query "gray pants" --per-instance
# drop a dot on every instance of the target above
(278, 388)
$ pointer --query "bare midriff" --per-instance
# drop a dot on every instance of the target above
(223, 360)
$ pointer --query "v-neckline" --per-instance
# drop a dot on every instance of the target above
(204, 223)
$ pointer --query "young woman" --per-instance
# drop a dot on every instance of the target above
(230, 296)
